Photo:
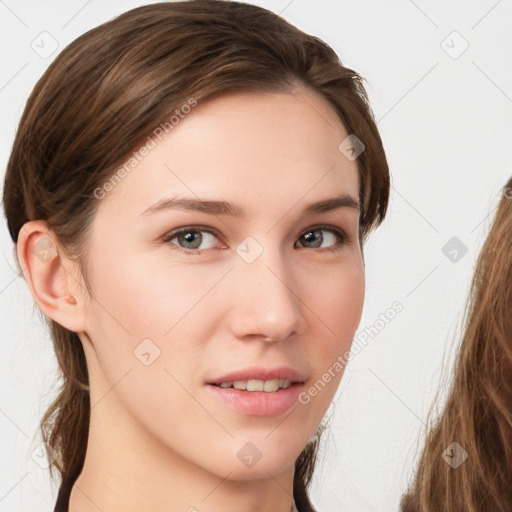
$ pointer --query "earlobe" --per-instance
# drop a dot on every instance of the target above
(49, 276)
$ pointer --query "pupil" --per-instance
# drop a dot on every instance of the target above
(188, 238)
(309, 239)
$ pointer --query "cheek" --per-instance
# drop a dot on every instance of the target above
(337, 299)
(147, 323)
(138, 298)
(152, 320)
(337, 302)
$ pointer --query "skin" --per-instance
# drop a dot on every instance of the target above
(158, 441)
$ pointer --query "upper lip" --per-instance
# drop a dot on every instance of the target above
(261, 373)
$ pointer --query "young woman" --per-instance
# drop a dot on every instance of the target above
(189, 192)
(466, 464)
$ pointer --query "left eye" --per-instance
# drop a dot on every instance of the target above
(189, 240)
(335, 235)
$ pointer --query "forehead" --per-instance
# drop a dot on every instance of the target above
(256, 148)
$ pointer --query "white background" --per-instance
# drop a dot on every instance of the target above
(445, 124)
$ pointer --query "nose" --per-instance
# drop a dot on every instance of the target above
(267, 302)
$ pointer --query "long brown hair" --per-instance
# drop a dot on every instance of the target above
(475, 475)
(101, 98)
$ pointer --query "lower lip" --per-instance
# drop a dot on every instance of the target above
(258, 403)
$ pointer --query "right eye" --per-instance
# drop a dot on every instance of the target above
(190, 239)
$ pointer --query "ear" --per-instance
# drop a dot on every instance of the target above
(54, 281)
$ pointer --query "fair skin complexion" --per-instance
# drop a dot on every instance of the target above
(158, 440)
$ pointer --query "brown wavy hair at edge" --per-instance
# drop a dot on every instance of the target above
(478, 410)
(101, 98)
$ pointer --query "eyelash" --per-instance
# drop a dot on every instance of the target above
(343, 238)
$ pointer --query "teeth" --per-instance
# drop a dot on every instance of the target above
(258, 385)
(255, 385)
(271, 385)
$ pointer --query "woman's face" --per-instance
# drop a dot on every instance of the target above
(258, 282)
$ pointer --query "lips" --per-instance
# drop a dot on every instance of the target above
(256, 403)
(261, 373)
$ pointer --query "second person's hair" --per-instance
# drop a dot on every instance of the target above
(478, 411)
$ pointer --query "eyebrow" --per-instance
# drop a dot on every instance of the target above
(224, 208)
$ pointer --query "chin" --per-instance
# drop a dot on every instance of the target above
(255, 457)
(261, 470)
